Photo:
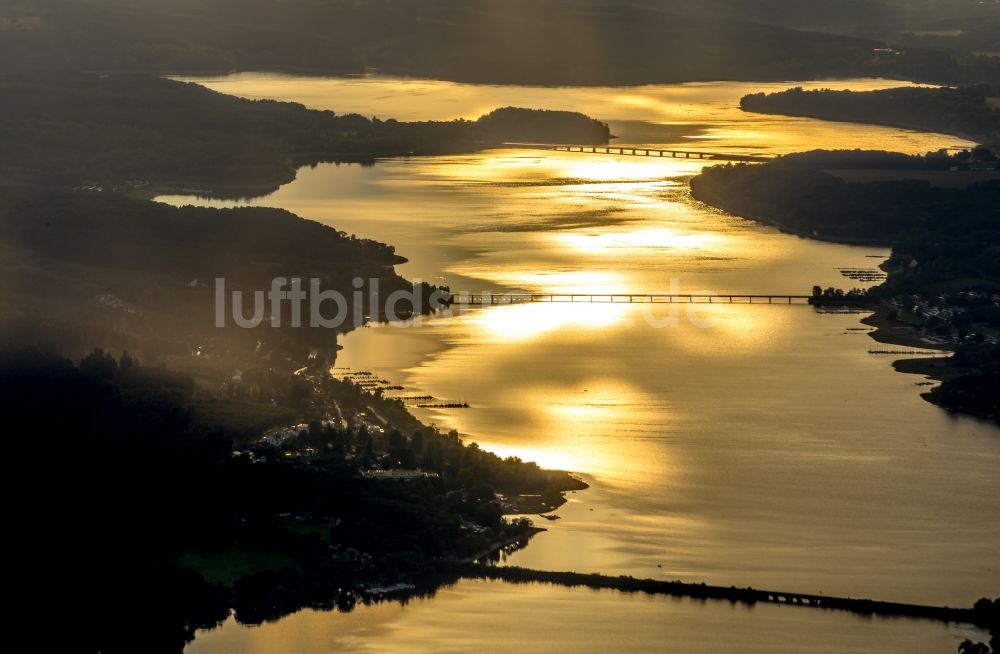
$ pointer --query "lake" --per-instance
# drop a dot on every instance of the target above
(733, 444)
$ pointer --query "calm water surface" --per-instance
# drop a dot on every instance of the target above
(748, 445)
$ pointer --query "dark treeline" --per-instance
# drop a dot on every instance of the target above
(961, 111)
(246, 245)
(513, 41)
(944, 274)
(514, 125)
(84, 268)
(68, 128)
(977, 391)
(796, 194)
(882, 160)
(136, 510)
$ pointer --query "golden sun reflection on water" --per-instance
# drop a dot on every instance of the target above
(588, 413)
(523, 322)
(663, 237)
(557, 281)
(600, 412)
(524, 167)
(545, 455)
(423, 99)
(607, 169)
(688, 429)
(489, 616)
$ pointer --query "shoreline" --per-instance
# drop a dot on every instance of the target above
(977, 140)
(369, 72)
(982, 615)
(521, 540)
(887, 331)
(896, 332)
(791, 231)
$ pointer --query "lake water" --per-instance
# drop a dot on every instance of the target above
(733, 444)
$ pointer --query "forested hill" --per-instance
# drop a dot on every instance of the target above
(603, 42)
(84, 268)
(799, 193)
(72, 128)
(247, 245)
(966, 111)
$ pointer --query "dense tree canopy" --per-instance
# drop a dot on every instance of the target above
(70, 128)
(141, 508)
(963, 111)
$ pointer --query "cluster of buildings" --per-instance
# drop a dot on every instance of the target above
(277, 437)
(370, 424)
(404, 475)
(949, 311)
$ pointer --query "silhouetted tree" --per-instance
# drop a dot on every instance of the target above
(99, 364)
(126, 362)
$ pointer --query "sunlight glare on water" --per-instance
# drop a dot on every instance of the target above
(750, 445)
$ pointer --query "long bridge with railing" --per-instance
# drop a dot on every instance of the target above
(491, 299)
(638, 151)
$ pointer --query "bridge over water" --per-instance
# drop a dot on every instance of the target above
(636, 151)
(489, 299)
